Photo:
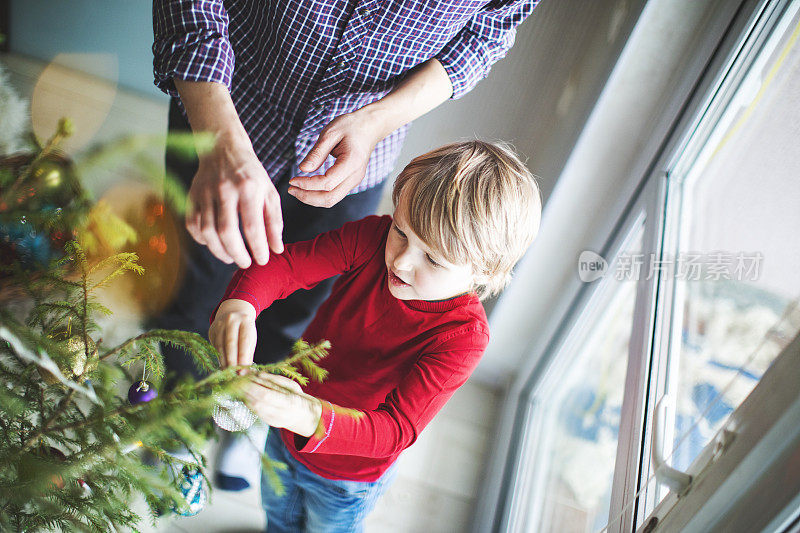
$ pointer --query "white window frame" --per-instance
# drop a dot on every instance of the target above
(647, 378)
(750, 481)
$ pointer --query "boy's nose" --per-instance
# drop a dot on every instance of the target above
(402, 261)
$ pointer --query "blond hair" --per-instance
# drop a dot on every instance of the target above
(474, 202)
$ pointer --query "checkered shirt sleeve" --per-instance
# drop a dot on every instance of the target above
(191, 43)
(485, 39)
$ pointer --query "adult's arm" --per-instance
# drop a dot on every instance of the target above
(452, 73)
(191, 43)
(351, 137)
(193, 60)
(230, 181)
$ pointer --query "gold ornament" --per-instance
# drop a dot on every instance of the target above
(50, 182)
(80, 364)
(53, 181)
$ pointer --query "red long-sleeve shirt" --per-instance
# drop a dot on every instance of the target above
(397, 361)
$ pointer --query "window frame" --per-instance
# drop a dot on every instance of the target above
(648, 374)
(764, 445)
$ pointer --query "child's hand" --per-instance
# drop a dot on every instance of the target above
(278, 407)
(233, 333)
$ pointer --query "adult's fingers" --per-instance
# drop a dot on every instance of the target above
(274, 221)
(193, 218)
(345, 166)
(254, 228)
(327, 198)
(228, 230)
(208, 229)
(319, 152)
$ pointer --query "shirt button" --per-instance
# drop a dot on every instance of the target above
(363, 11)
(341, 65)
(288, 154)
(319, 106)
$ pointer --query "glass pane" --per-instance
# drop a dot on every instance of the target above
(736, 270)
(579, 405)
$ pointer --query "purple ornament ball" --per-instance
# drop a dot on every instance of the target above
(141, 392)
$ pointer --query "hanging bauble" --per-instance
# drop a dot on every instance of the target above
(141, 392)
(53, 453)
(52, 182)
(80, 361)
(33, 229)
(41, 180)
(23, 244)
(232, 415)
(193, 490)
(85, 488)
(84, 361)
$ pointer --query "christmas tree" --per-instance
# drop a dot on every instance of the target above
(76, 414)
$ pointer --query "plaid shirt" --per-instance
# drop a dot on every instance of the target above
(292, 66)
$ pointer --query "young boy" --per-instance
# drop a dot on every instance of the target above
(404, 320)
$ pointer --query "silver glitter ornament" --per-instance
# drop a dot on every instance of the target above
(232, 415)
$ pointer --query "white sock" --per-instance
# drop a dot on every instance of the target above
(238, 454)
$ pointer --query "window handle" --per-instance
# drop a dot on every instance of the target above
(666, 475)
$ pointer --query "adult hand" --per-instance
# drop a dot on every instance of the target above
(280, 402)
(350, 138)
(231, 182)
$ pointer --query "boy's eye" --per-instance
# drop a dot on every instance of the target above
(431, 261)
(403, 235)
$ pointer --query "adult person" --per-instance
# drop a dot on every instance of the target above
(309, 102)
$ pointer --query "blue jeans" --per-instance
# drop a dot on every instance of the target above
(313, 503)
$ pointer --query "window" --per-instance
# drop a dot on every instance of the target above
(734, 301)
(721, 311)
(727, 286)
(577, 408)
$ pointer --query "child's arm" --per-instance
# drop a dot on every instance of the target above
(301, 266)
(280, 402)
(304, 264)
